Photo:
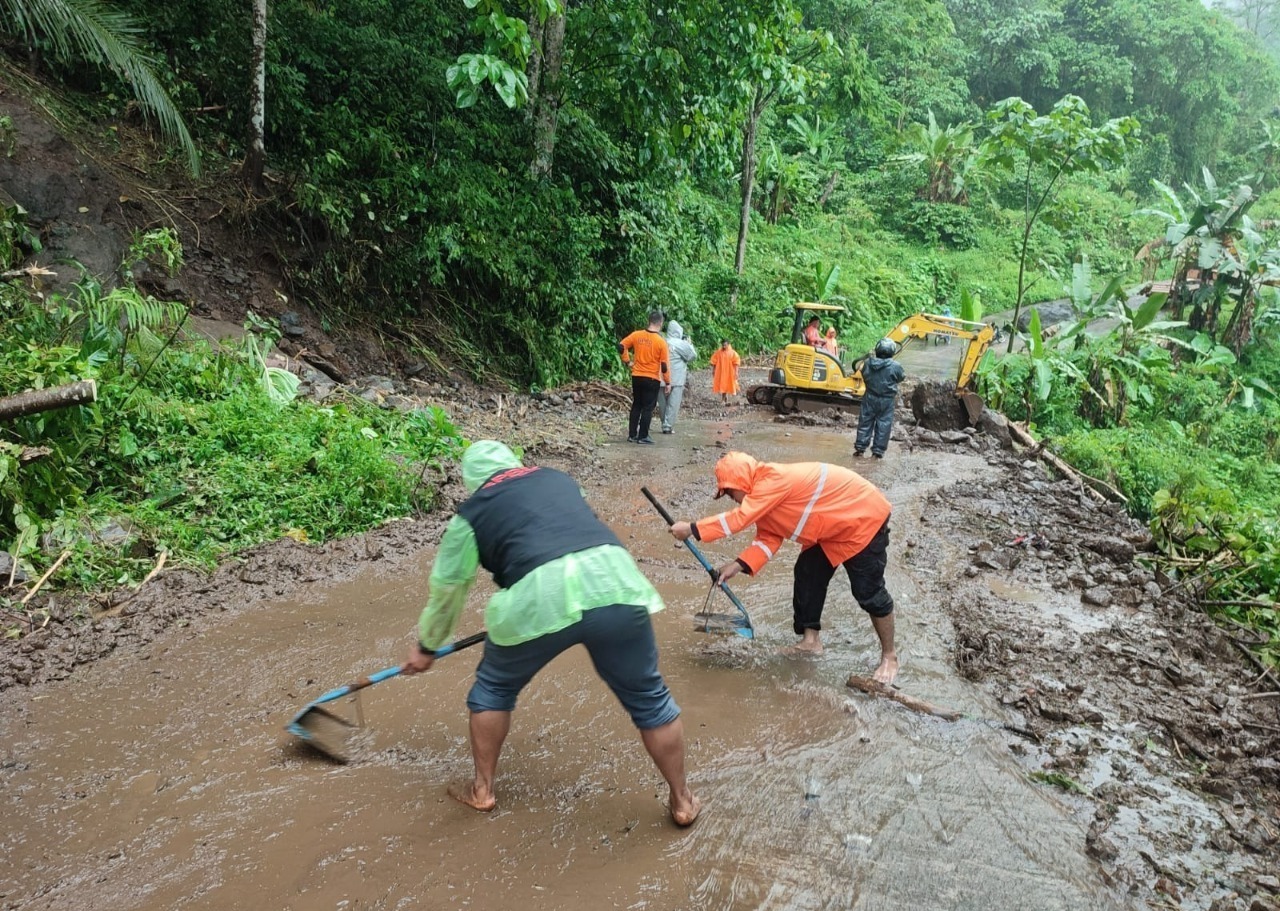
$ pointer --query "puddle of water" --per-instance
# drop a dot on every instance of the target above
(167, 783)
(1063, 610)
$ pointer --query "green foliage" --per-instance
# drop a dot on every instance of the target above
(195, 451)
(1117, 56)
(16, 238)
(1239, 550)
(952, 225)
(506, 53)
(94, 31)
(1059, 780)
(946, 154)
(1057, 144)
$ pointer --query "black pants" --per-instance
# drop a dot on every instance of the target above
(813, 574)
(644, 396)
(875, 417)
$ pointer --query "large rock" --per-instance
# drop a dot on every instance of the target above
(936, 407)
(995, 425)
(1115, 549)
(1051, 313)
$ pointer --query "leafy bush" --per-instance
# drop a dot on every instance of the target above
(939, 223)
(189, 449)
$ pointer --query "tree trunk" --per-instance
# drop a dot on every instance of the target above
(547, 113)
(748, 183)
(36, 401)
(533, 70)
(1240, 327)
(829, 188)
(255, 159)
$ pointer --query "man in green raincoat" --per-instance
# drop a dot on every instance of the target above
(564, 579)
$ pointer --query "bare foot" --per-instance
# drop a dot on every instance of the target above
(802, 650)
(684, 811)
(887, 670)
(465, 792)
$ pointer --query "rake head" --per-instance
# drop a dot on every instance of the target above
(322, 730)
(724, 625)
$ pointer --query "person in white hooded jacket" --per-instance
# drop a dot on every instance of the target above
(682, 355)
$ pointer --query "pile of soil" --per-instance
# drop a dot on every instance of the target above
(1139, 706)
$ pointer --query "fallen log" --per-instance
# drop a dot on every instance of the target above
(35, 401)
(1099, 490)
(29, 272)
(876, 688)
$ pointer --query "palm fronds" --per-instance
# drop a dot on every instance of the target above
(96, 32)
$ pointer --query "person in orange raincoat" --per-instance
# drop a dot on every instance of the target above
(724, 371)
(813, 332)
(838, 518)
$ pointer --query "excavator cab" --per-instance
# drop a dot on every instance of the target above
(808, 377)
(801, 365)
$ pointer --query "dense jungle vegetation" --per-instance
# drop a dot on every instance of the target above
(540, 175)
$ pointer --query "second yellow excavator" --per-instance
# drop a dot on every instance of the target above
(810, 378)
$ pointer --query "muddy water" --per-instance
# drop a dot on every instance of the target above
(166, 781)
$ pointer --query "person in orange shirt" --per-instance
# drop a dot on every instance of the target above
(813, 332)
(838, 518)
(724, 371)
(829, 343)
(650, 372)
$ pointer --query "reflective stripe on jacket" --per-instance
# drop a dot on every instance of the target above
(806, 502)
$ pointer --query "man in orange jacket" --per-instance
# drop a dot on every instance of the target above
(650, 373)
(837, 517)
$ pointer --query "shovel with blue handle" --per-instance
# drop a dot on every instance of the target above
(741, 624)
(322, 730)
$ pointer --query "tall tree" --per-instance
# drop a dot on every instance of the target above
(1046, 148)
(546, 63)
(255, 159)
(771, 54)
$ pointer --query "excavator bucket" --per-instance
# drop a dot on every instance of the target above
(973, 406)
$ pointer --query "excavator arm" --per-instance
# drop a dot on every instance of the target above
(922, 325)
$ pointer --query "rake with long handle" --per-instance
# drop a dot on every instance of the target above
(741, 625)
(322, 730)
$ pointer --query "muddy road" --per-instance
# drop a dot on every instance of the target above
(159, 777)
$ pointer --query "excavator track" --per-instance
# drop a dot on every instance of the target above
(789, 401)
(762, 395)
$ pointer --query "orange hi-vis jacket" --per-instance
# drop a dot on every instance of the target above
(807, 502)
(651, 355)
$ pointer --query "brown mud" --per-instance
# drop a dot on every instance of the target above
(1144, 774)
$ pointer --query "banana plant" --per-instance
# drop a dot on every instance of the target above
(1116, 365)
(948, 153)
(1214, 234)
(280, 385)
(825, 280)
(1028, 377)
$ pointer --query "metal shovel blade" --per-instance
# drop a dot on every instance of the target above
(324, 731)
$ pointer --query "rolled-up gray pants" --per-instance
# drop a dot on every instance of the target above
(669, 402)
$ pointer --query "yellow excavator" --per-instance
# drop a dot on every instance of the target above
(809, 378)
